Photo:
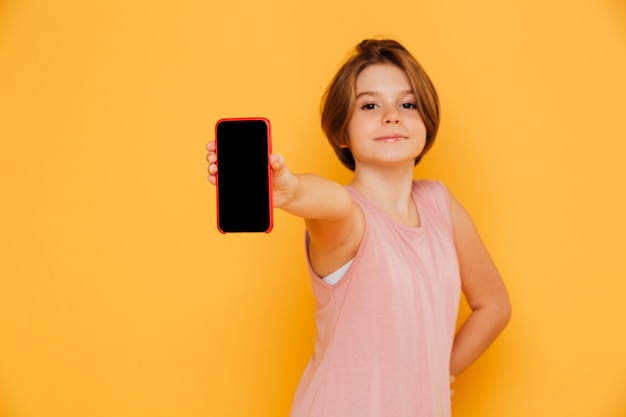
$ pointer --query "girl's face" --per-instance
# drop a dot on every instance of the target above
(385, 127)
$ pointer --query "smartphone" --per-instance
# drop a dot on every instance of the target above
(244, 179)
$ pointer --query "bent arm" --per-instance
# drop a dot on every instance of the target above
(484, 290)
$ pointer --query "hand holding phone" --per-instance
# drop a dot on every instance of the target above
(243, 180)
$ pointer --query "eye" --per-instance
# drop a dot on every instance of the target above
(409, 105)
(368, 106)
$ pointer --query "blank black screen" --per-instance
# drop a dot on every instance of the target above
(243, 176)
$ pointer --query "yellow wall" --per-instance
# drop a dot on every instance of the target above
(118, 297)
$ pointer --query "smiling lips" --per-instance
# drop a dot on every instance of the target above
(391, 138)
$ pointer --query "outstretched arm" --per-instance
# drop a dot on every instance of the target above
(334, 222)
(484, 290)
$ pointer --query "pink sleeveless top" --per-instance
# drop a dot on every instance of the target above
(385, 330)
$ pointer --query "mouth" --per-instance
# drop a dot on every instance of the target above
(391, 138)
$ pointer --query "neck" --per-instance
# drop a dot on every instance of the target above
(390, 191)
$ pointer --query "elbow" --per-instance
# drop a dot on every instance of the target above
(505, 312)
(501, 304)
(499, 311)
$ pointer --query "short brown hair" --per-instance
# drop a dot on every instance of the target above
(338, 101)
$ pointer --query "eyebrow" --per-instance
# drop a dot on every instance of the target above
(374, 93)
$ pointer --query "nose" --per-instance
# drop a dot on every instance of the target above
(391, 117)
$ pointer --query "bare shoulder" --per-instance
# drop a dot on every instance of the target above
(466, 235)
(462, 223)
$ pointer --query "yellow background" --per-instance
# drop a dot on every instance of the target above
(118, 297)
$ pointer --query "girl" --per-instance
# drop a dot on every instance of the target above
(388, 255)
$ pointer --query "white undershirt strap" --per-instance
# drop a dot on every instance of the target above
(334, 277)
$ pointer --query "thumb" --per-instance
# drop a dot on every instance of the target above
(277, 161)
(282, 178)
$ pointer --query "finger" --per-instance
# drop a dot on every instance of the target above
(277, 161)
(211, 158)
(210, 146)
(212, 169)
(211, 179)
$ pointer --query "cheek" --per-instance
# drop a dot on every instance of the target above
(420, 127)
(352, 130)
(421, 133)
